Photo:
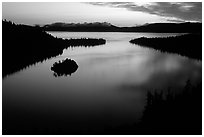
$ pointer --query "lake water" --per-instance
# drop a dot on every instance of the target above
(107, 90)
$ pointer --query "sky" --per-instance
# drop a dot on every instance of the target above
(116, 13)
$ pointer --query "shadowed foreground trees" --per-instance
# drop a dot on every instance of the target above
(169, 112)
(189, 45)
(24, 45)
(165, 113)
(174, 113)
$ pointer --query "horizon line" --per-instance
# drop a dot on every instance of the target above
(136, 25)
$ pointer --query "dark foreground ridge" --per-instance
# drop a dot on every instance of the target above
(169, 112)
(24, 45)
(174, 113)
(64, 67)
(189, 45)
(166, 112)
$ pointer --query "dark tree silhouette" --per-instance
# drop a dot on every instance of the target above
(173, 113)
(64, 67)
(24, 45)
(189, 45)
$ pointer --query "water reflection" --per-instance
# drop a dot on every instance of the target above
(163, 71)
(107, 91)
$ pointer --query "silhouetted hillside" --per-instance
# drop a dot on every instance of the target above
(189, 45)
(173, 113)
(85, 27)
(169, 28)
(24, 45)
(107, 27)
(168, 112)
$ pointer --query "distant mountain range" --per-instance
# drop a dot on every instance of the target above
(107, 27)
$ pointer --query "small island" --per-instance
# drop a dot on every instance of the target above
(64, 67)
(189, 45)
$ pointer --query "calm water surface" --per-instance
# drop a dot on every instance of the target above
(108, 89)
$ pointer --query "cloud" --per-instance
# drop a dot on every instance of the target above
(176, 20)
(187, 11)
